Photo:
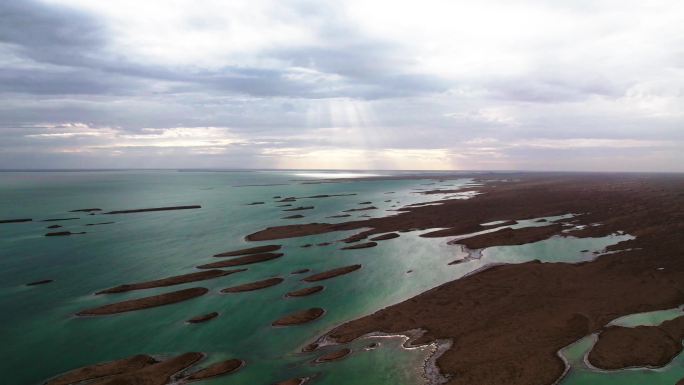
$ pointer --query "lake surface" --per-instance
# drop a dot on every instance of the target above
(41, 337)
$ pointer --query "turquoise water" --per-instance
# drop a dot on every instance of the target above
(44, 338)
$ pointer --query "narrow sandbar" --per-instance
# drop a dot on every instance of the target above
(332, 273)
(145, 302)
(305, 291)
(251, 250)
(385, 237)
(170, 281)
(253, 285)
(246, 260)
(360, 246)
(299, 317)
(170, 208)
(217, 369)
(333, 356)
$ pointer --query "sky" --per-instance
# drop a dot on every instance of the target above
(349, 84)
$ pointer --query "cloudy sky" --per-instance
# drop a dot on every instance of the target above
(361, 84)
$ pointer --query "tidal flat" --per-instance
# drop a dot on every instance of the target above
(544, 259)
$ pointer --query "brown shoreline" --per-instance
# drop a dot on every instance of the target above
(533, 309)
(145, 302)
(170, 281)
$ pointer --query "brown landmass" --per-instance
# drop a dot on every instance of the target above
(333, 356)
(16, 220)
(217, 369)
(305, 291)
(203, 318)
(443, 191)
(360, 209)
(62, 233)
(508, 322)
(99, 223)
(253, 285)
(293, 216)
(642, 346)
(170, 281)
(155, 209)
(246, 260)
(54, 227)
(340, 216)
(301, 271)
(299, 317)
(145, 302)
(508, 236)
(385, 237)
(251, 250)
(332, 273)
(360, 246)
(128, 364)
(59, 219)
(300, 208)
(156, 374)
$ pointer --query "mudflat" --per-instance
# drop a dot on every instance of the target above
(533, 309)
